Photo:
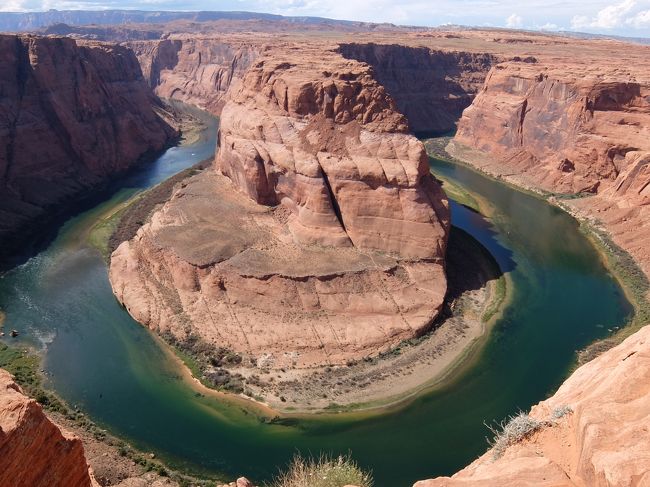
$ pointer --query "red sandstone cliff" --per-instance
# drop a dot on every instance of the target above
(552, 128)
(194, 70)
(602, 441)
(430, 86)
(321, 238)
(71, 117)
(33, 451)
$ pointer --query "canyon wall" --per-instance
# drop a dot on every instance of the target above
(194, 70)
(320, 237)
(71, 117)
(565, 134)
(431, 87)
(33, 451)
(592, 432)
(563, 130)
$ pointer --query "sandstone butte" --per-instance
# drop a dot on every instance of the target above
(34, 451)
(550, 113)
(72, 116)
(318, 238)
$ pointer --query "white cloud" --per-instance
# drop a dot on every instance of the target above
(640, 20)
(514, 21)
(609, 17)
(625, 17)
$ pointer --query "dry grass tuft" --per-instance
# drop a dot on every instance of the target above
(323, 472)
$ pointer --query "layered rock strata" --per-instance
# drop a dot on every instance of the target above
(430, 86)
(318, 239)
(71, 117)
(33, 451)
(553, 128)
(594, 430)
(198, 71)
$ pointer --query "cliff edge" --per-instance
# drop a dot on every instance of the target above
(72, 115)
(34, 451)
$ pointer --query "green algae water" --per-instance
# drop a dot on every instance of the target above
(101, 360)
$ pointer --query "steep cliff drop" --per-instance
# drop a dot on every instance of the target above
(318, 239)
(592, 432)
(567, 130)
(431, 87)
(195, 71)
(71, 117)
(33, 451)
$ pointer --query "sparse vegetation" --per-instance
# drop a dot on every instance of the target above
(561, 411)
(511, 431)
(518, 427)
(208, 363)
(123, 223)
(24, 366)
(323, 472)
(635, 284)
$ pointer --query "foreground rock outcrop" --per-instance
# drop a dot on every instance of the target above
(320, 237)
(601, 440)
(71, 117)
(33, 451)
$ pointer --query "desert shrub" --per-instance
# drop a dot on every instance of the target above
(511, 431)
(561, 411)
(323, 472)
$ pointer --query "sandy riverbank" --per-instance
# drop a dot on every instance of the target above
(476, 295)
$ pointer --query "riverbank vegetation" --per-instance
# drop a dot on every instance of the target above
(117, 456)
(123, 222)
(635, 284)
(621, 264)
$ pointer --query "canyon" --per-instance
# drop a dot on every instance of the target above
(73, 115)
(318, 236)
(534, 114)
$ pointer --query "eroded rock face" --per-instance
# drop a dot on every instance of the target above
(563, 133)
(33, 451)
(71, 117)
(196, 71)
(328, 144)
(320, 237)
(431, 87)
(603, 442)
(545, 127)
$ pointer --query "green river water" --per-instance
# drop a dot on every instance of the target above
(100, 359)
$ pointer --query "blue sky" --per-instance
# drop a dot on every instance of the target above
(622, 17)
